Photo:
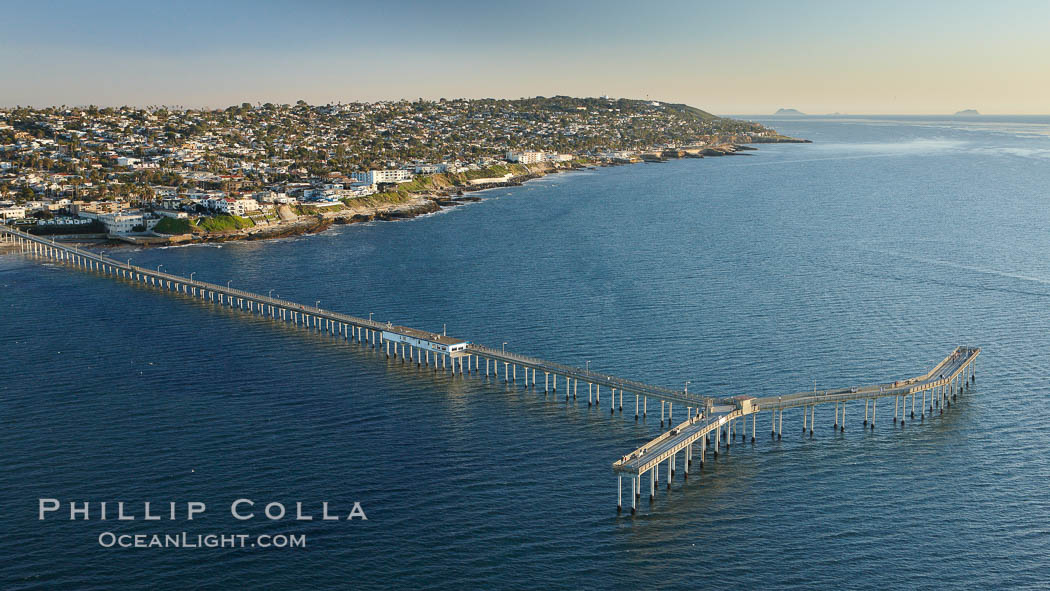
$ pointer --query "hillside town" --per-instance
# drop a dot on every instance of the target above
(162, 171)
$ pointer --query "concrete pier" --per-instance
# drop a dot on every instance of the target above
(945, 382)
(721, 414)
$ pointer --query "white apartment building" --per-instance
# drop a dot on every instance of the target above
(525, 157)
(374, 177)
(238, 206)
(121, 223)
(222, 204)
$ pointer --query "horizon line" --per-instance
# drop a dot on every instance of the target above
(801, 114)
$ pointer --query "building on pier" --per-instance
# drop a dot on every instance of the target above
(745, 403)
(429, 341)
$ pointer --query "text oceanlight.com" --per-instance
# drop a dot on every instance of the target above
(185, 540)
(241, 510)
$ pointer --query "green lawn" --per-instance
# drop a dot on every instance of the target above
(173, 226)
(223, 223)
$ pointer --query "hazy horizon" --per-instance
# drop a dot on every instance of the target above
(767, 114)
(818, 57)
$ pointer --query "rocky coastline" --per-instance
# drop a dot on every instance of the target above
(422, 204)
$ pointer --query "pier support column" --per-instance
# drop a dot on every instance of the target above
(597, 394)
(662, 403)
(619, 494)
(842, 428)
(904, 408)
(812, 418)
(575, 385)
(896, 404)
(590, 393)
(718, 440)
(670, 413)
(546, 382)
(652, 484)
(780, 425)
(636, 407)
(621, 399)
(873, 401)
(805, 416)
(754, 422)
(612, 402)
(645, 404)
(836, 424)
(634, 494)
(912, 405)
(865, 412)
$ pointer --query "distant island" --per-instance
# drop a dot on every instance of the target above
(968, 113)
(788, 112)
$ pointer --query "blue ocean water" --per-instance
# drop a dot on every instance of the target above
(867, 255)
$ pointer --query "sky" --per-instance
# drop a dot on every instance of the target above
(749, 57)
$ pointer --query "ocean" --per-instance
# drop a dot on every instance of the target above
(865, 256)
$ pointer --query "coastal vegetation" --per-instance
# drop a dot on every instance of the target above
(173, 226)
(223, 223)
(214, 224)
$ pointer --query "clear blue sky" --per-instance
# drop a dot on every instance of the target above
(727, 57)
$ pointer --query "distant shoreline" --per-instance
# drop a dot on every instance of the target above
(418, 205)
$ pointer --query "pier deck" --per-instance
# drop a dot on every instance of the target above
(706, 415)
(667, 444)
